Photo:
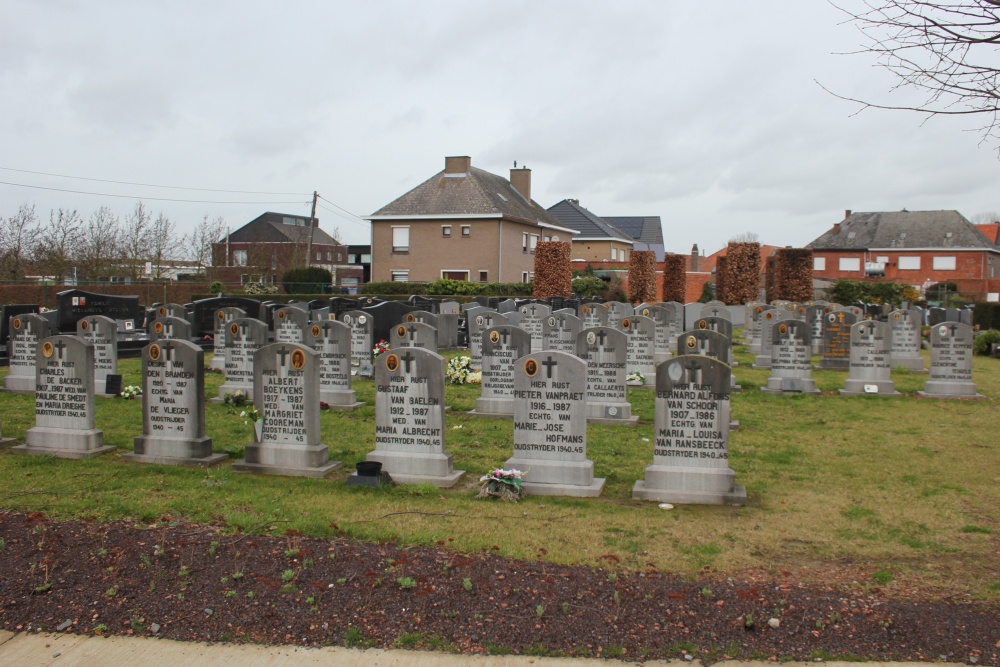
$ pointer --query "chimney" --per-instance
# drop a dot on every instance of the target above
(847, 213)
(695, 259)
(836, 228)
(458, 165)
(520, 180)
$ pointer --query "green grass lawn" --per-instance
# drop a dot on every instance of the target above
(905, 486)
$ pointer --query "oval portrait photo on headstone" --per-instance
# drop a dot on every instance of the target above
(702, 324)
(494, 336)
(362, 319)
(281, 314)
(158, 327)
(221, 315)
(675, 372)
(154, 352)
(479, 320)
(392, 362)
(691, 342)
(16, 323)
(943, 330)
(315, 330)
(85, 325)
(347, 319)
(591, 338)
(47, 349)
(298, 359)
(163, 311)
(645, 312)
(626, 323)
(783, 329)
(531, 367)
(400, 331)
(234, 328)
(552, 321)
(409, 318)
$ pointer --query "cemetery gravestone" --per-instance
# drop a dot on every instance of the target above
(708, 343)
(791, 359)
(290, 324)
(951, 362)
(616, 312)
(604, 350)
(905, 331)
(815, 316)
(332, 340)
(362, 343)
(594, 315)
(640, 333)
(869, 369)
(561, 332)
(8, 311)
(550, 426)
(223, 316)
(170, 327)
(173, 407)
(767, 319)
(717, 309)
(661, 331)
(102, 332)
(385, 316)
(409, 418)
(171, 310)
(533, 317)
(204, 313)
(691, 445)
(414, 334)
(720, 324)
(479, 322)
(244, 337)
(26, 331)
(837, 340)
(64, 402)
(502, 346)
(73, 305)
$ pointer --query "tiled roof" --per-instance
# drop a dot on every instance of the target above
(643, 228)
(268, 228)
(902, 229)
(477, 192)
(991, 231)
(570, 214)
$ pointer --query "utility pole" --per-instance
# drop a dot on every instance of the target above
(312, 226)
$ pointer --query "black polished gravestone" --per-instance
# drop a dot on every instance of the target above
(691, 446)
(74, 305)
(26, 332)
(836, 347)
(173, 407)
(204, 312)
(286, 387)
(10, 310)
(340, 305)
(64, 402)
(385, 316)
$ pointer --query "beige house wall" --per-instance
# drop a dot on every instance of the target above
(600, 251)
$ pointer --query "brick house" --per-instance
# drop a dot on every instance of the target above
(918, 248)
(266, 247)
(596, 240)
(463, 223)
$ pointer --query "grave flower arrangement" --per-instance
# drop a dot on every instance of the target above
(635, 378)
(251, 415)
(459, 369)
(380, 348)
(237, 398)
(502, 484)
(131, 391)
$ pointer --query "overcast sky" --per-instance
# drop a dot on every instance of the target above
(706, 114)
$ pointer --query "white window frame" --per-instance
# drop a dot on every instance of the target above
(534, 242)
(908, 263)
(465, 271)
(524, 276)
(524, 241)
(446, 231)
(614, 254)
(400, 234)
(400, 276)
(819, 263)
(849, 264)
(239, 257)
(944, 263)
(466, 231)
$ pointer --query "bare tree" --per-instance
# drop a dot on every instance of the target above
(134, 241)
(99, 245)
(986, 218)
(198, 244)
(745, 237)
(164, 245)
(946, 50)
(59, 243)
(18, 242)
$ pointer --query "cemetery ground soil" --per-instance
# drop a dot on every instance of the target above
(194, 582)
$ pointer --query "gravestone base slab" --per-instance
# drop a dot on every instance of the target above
(174, 451)
(346, 407)
(642, 385)
(19, 385)
(346, 400)
(613, 421)
(777, 386)
(574, 490)
(406, 468)
(689, 485)
(224, 389)
(610, 413)
(491, 415)
(497, 408)
(857, 388)
(287, 460)
(950, 390)
(762, 362)
(558, 478)
(6, 441)
(833, 365)
(912, 364)
(63, 443)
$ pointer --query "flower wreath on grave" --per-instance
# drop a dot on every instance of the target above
(380, 348)
(459, 371)
(635, 378)
(131, 392)
(502, 484)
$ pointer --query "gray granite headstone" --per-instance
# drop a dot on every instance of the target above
(244, 336)
(708, 343)
(409, 418)
(173, 407)
(26, 331)
(640, 333)
(719, 310)
(692, 311)
(951, 362)
(533, 318)
(424, 316)
(290, 323)
(332, 340)
(905, 350)
(767, 319)
(720, 324)
(616, 311)
(362, 342)
(561, 332)
(836, 348)
(222, 318)
(413, 334)
(286, 387)
(869, 369)
(478, 322)
(64, 402)
(661, 331)
(815, 316)
(550, 426)
(174, 328)
(102, 332)
(171, 310)
(791, 359)
(754, 326)
(594, 315)
(502, 346)
(605, 350)
(507, 306)
(691, 444)
(449, 308)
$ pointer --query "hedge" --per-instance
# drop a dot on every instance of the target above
(986, 315)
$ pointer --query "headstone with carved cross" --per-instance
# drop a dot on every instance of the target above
(594, 315)
(409, 418)
(168, 326)
(869, 372)
(286, 391)
(103, 333)
(791, 359)
(616, 311)
(640, 334)
(550, 426)
(223, 316)
(173, 407)
(754, 318)
(605, 350)
(332, 340)
(691, 443)
(661, 330)
(815, 316)
(413, 334)
(533, 317)
(502, 346)
(26, 331)
(836, 348)
(951, 362)
(905, 350)
(170, 310)
(767, 320)
(64, 401)
(561, 331)
(362, 341)
(478, 322)
(244, 336)
(289, 324)
(708, 343)
(719, 310)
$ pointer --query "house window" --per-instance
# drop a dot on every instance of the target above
(446, 230)
(882, 259)
(534, 242)
(329, 256)
(455, 275)
(401, 239)
(944, 263)
(819, 263)
(850, 263)
(524, 242)
(239, 258)
(623, 255)
(274, 259)
(319, 255)
(909, 263)
(400, 276)
(524, 276)
(614, 255)
(483, 277)
(466, 230)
